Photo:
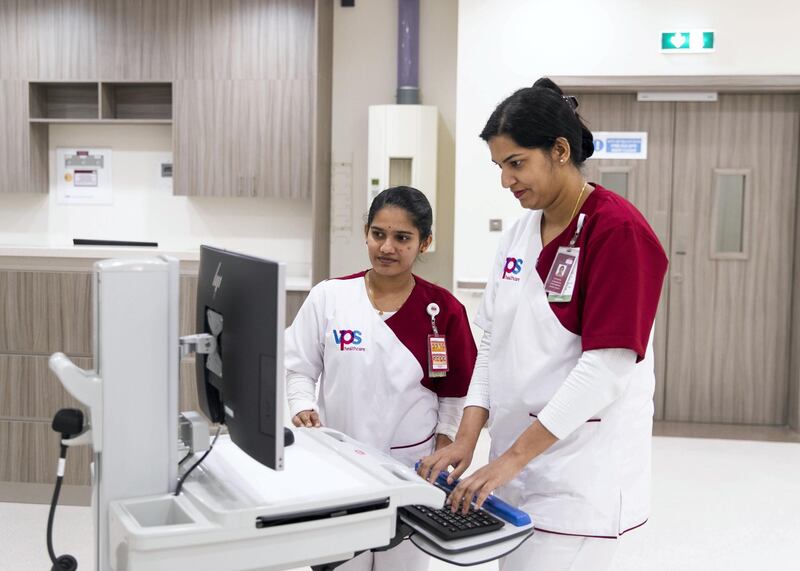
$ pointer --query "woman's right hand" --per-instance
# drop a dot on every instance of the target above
(457, 455)
(307, 419)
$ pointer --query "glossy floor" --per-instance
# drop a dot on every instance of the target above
(717, 504)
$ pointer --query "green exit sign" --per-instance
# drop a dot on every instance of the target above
(687, 41)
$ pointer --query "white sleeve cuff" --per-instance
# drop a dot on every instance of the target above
(478, 393)
(301, 392)
(600, 377)
(450, 411)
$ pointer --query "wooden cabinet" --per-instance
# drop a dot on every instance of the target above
(45, 312)
(245, 98)
(23, 148)
(42, 312)
(243, 138)
(241, 78)
(105, 102)
(15, 140)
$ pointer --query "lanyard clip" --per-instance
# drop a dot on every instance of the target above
(581, 219)
(433, 311)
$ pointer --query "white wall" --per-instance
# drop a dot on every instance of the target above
(145, 210)
(364, 74)
(508, 44)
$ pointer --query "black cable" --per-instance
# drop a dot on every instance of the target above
(64, 562)
(196, 464)
(189, 454)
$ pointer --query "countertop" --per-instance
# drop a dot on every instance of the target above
(75, 258)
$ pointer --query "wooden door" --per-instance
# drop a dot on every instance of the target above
(731, 259)
(646, 183)
(15, 142)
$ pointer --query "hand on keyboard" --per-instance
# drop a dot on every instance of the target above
(447, 525)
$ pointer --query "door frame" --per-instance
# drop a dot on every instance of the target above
(720, 84)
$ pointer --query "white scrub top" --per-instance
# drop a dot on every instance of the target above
(373, 386)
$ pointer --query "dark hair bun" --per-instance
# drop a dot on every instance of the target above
(535, 117)
(548, 83)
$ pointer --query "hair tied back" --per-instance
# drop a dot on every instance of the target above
(571, 100)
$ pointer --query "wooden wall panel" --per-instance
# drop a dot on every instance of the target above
(30, 391)
(45, 312)
(137, 39)
(9, 42)
(64, 39)
(240, 39)
(272, 39)
(31, 452)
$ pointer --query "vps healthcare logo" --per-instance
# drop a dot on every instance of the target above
(346, 338)
(512, 267)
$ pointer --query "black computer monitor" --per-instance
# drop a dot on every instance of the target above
(241, 301)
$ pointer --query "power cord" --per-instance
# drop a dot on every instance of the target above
(68, 422)
(196, 464)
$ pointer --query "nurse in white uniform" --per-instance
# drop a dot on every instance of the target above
(565, 371)
(392, 353)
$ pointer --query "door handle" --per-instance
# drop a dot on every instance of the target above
(680, 237)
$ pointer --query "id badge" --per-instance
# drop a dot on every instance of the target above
(437, 356)
(560, 282)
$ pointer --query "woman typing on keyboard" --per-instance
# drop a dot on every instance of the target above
(393, 353)
(565, 371)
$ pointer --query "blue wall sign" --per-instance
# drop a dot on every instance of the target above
(620, 145)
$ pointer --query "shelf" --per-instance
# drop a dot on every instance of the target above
(136, 101)
(95, 102)
(74, 100)
(102, 121)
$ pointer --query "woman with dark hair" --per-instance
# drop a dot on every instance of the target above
(565, 372)
(393, 353)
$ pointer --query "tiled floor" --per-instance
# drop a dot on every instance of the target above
(717, 504)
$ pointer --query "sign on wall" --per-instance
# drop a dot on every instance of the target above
(84, 176)
(687, 41)
(620, 145)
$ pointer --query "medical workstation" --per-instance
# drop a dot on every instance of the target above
(205, 205)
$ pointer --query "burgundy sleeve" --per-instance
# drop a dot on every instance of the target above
(461, 354)
(623, 277)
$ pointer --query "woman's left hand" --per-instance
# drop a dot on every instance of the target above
(484, 481)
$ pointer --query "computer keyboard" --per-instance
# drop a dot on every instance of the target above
(449, 525)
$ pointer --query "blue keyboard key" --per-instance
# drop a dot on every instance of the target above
(493, 504)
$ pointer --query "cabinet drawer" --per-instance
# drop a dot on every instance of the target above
(45, 312)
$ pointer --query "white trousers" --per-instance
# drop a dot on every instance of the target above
(553, 552)
(404, 557)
